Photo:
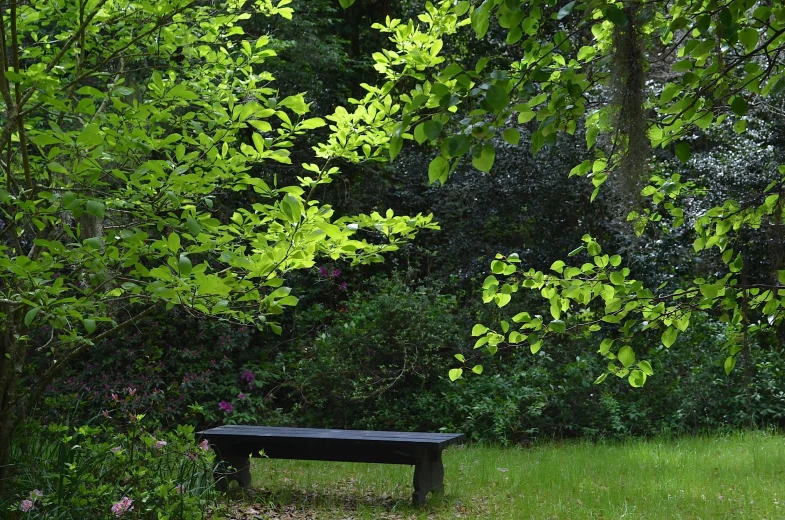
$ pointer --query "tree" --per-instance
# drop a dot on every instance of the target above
(125, 124)
(641, 79)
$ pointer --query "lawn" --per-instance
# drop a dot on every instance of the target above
(735, 476)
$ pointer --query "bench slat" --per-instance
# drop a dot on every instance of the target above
(377, 437)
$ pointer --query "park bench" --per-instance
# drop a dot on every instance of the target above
(234, 445)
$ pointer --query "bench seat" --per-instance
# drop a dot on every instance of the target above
(235, 443)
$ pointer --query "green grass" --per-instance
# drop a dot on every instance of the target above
(736, 476)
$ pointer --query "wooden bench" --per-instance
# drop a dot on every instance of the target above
(235, 443)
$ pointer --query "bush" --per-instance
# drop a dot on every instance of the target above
(165, 365)
(380, 361)
(95, 471)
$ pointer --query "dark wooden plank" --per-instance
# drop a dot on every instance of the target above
(381, 437)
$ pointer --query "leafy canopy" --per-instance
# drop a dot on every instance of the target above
(632, 77)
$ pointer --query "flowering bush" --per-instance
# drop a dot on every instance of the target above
(95, 471)
(165, 366)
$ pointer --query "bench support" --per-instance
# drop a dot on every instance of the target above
(428, 476)
(240, 471)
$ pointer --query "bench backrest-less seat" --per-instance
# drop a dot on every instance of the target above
(235, 443)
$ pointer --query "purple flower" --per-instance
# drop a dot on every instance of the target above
(241, 397)
(26, 505)
(323, 272)
(204, 445)
(343, 287)
(249, 377)
(122, 506)
(226, 407)
(335, 273)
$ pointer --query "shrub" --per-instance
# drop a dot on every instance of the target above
(165, 365)
(96, 471)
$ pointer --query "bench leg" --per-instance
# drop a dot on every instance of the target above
(428, 476)
(241, 472)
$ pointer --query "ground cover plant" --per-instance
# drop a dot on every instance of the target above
(705, 477)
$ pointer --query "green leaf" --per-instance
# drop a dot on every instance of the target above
(396, 143)
(455, 374)
(460, 358)
(89, 325)
(30, 315)
(730, 362)
(749, 38)
(683, 152)
(645, 367)
(477, 369)
(346, 3)
(535, 347)
(669, 336)
(739, 105)
(479, 330)
(496, 98)
(601, 378)
(46, 139)
(96, 208)
(512, 136)
(184, 265)
(432, 129)
(566, 10)
(173, 242)
(484, 160)
(637, 378)
(626, 356)
(558, 326)
(438, 170)
(480, 19)
(558, 266)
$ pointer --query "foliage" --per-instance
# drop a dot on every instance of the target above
(124, 126)
(633, 77)
(165, 366)
(96, 471)
(379, 362)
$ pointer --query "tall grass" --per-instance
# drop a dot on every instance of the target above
(735, 476)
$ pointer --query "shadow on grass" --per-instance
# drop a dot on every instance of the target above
(296, 503)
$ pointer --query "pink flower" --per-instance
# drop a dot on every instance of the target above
(160, 444)
(116, 449)
(241, 397)
(131, 390)
(192, 456)
(226, 407)
(249, 377)
(36, 493)
(26, 505)
(122, 506)
(204, 445)
(114, 397)
(105, 413)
